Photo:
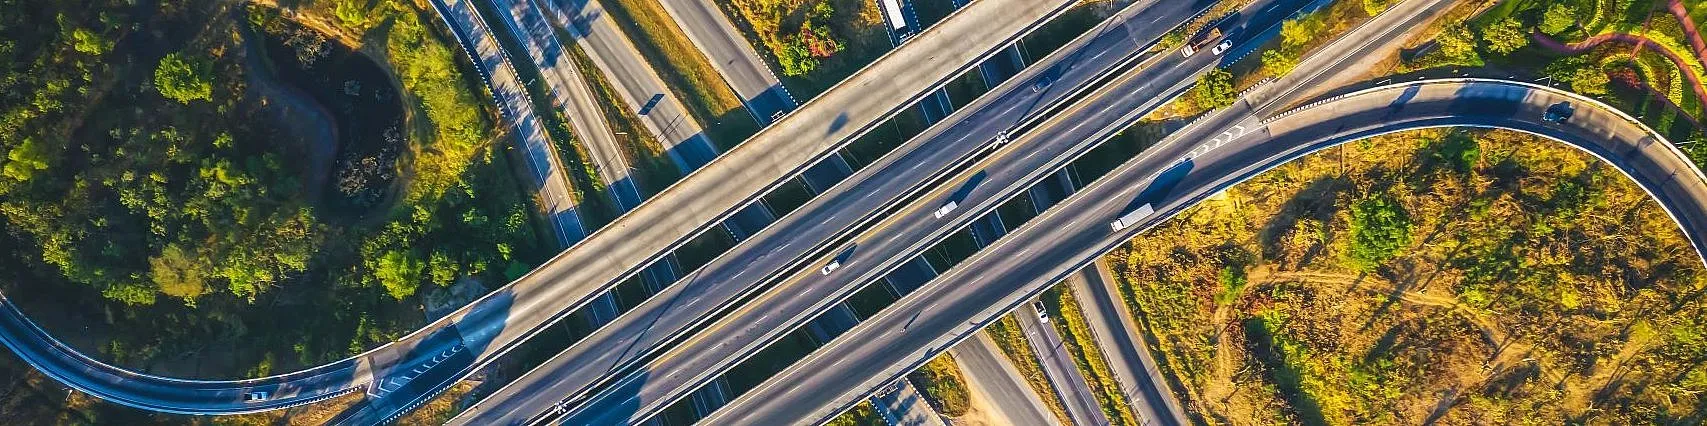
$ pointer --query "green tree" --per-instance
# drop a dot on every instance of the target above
(1375, 7)
(795, 58)
(183, 80)
(1379, 228)
(1214, 89)
(178, 274)
(1278, 63)
(88, 42)
(26, 159)
(442, 268)
(1505, 36)
(1558, 18)
(399, 272)
(1590, 81)
(1457, 44)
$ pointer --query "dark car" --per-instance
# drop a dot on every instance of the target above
(1558, 113)
(653, 103)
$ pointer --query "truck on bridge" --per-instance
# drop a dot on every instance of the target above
(1132, 217)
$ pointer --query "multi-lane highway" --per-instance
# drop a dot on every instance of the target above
(611, 351)
(1174, 176)
(398, 376)
(1076, 129)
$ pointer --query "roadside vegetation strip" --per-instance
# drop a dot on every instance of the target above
(640, 147)
(685, 70)
(1008, 336)
(812, 45)
(942, 384)
(1087, 355)
(861, 414)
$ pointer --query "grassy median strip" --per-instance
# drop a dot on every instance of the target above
(585, 184)
(1092, 363)
(685, 70)
(640, 147)
(1011, 340)
(941, 383)
(860, 415)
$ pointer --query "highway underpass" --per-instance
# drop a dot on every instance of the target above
(399, 375)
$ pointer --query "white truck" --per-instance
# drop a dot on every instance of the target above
(1132, 217)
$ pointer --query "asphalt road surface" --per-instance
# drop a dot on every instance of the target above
(1117, 334)
(399, 375)
(734, 58)
(571, 94)
(666, 317)
(1203, 160)
(1058, 366)
(988, 370)
(732, 339)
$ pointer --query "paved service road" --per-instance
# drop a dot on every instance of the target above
(1058, 365)
(1177, 174)
(987, 369)
(734, 58)
(571, 95)
(402, 374)
(1117, 334)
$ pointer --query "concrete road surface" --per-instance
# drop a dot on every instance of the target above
(663, 319)
(988, 370)
(1119, 337)
(1058, 365)
(734, 58)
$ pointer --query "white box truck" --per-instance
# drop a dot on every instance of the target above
(1132, 217)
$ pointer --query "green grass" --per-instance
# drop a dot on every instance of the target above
(1063, 304)
(857, 23)
(1012, 342)
(860, 415)
(941, 383)
(641, 148)
(685, 70)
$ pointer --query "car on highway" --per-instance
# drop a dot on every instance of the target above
(651, 103)
(1221, 48)
(831, 267)
(946, 208)
(256, 396)
(1558, 113)
(1042, 315)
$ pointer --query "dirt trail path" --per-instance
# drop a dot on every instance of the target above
(1641, 42)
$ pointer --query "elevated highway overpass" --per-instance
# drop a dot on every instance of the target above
(1182, 172)
(401, 374)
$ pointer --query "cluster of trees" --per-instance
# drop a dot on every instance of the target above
(1579, 277)
(140, 172)
(801, 51)
(797, 31)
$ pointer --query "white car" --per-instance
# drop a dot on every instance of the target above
(1042, 315)
(256, 396)
(946, 208)
(830, 267)
(1221, 48)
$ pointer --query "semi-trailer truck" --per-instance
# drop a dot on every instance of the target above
(1132, 217)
